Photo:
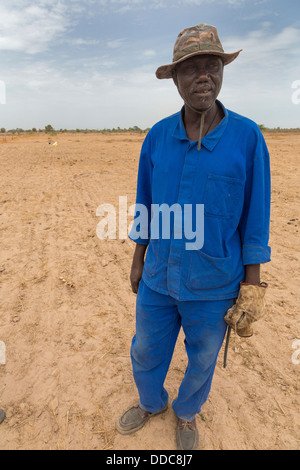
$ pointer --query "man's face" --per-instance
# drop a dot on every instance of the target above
(199, 80)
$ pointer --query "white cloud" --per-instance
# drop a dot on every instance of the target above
(149, 53)
(29, 27)
(264, 51)
(33, 26)
(73, 89)
(83, 42)
(115, 43)
(258, 83)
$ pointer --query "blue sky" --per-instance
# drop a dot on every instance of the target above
(91, 64)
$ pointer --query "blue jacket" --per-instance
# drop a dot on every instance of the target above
(230, 176)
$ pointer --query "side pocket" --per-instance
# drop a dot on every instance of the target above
(207, 272)
(152, 257)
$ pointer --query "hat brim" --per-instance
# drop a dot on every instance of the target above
(166, 71)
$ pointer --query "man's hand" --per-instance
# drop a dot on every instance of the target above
(137, 267)
(136, 276)
(249, 307)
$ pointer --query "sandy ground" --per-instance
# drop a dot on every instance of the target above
(67, 311)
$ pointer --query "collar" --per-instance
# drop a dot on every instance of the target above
(211, 139)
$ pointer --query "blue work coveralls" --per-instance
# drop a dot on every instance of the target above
(193, 288)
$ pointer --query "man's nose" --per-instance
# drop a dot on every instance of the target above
(202, 75)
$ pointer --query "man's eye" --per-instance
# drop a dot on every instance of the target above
(213, 66)
(190, 68)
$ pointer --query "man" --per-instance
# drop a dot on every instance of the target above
(207, 155)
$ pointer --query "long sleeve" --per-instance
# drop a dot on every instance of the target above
(255, 221)
(140, 231)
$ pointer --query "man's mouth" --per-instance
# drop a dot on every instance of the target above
(202, 91)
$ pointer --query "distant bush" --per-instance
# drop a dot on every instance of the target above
(49, 129)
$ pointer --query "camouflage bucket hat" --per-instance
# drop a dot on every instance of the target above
(197, 40)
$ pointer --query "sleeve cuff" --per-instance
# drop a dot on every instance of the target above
(256, 254)
(139, 241)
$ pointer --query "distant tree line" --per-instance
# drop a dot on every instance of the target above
(49, 129)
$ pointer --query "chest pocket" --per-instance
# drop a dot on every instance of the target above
(223, 196)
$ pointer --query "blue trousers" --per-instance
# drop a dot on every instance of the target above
(158, 321)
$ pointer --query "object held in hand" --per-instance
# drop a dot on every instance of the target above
(249, 308)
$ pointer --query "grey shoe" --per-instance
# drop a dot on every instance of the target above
(135, 418)
(187, 436)
(2, 416)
